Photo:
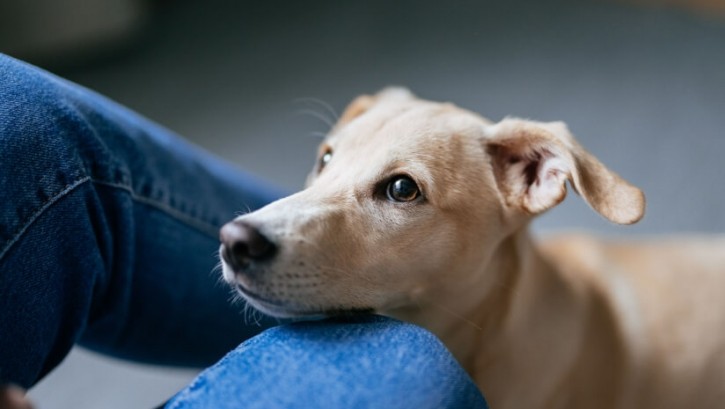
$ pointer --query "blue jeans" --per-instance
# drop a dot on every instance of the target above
(108, 236)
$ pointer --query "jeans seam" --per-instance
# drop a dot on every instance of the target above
(201, 226)
(24, 226)
(204, 228)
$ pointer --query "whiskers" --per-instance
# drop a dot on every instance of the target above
(251, 315)
(318, 134)
(243, 212)
(218, 270)
(320, 110)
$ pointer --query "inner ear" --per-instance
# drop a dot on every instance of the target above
(531, 175)
(532, 161)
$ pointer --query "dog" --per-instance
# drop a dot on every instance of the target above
(420, 210)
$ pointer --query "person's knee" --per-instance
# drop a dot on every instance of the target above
(45, 199)
(384, 357)
(31, 102)
(409, 351)
(355, 333)
(367, 361)
(40, 156)
(39, 127)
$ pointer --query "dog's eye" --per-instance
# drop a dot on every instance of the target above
(402, 189)
(325, 159)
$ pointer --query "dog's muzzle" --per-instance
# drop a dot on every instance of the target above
(243, 244)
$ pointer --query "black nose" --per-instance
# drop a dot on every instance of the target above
(243, 243)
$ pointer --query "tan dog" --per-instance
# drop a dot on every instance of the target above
(419, 210)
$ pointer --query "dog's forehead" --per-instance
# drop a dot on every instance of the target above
(407, 126)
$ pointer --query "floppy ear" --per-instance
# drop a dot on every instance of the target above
(363, 103)
(533, 160)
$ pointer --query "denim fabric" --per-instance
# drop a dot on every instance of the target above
(108, 232)
(108, 238)
(365, 362)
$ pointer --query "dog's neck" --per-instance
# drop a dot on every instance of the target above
(498, 337)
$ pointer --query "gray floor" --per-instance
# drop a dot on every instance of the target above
(643, 89)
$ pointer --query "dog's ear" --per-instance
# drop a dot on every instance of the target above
(357, 107)
(363, 103)
(533, 160)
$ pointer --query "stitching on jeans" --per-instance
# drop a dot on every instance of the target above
(40, 211)
(202, 227)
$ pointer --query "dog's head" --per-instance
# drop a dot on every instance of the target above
(408, 200)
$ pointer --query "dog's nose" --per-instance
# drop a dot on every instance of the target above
(243, 243)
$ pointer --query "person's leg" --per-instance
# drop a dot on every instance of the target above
(108, 232)
(363, 362)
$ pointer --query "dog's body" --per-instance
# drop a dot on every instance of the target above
(597, 324)
(419, 210)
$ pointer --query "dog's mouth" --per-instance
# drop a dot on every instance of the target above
(250, 295)
(274, 308)
(280, 309)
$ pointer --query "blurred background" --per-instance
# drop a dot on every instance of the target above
(641, 84)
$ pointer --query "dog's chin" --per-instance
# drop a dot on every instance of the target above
(279, 309)
(265, 305)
